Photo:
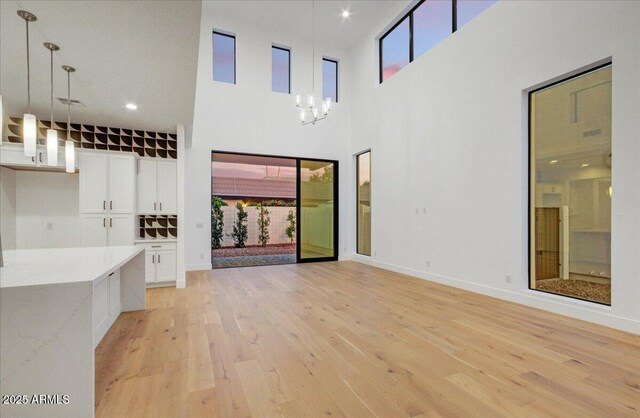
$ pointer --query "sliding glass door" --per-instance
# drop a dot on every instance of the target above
(317, 210)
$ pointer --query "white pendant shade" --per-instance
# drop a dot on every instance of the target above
(52, 147)
(70, 156)
(29, 132)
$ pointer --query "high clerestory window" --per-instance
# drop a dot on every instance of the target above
(422, 28)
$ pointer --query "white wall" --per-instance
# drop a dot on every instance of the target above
(8, 208)
(449, 148)
(47, 213)
(248, 117)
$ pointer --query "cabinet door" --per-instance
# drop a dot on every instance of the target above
(122, 184)
(167, 187)
(93, 183)
(147, 187)
(94, 231)
(165, 265)
(121, 230)
(150, 266)
(14, 156)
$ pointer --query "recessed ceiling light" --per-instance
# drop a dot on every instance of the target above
(131, 106)
(346, 14)
(553, 161)
(585, 165)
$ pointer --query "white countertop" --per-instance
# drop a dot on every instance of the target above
(62, 265)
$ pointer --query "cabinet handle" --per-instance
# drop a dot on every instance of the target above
(158, 258)
(33, 159)
(156, 246)
(154, 205)
(112, 273)
(104, 205)
(160, 205)
(104, 222)
(40, 157)
(111, 222)
(153, 258)
(111, 205)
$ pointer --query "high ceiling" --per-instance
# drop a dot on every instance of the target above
(295, 17)
(143, 52)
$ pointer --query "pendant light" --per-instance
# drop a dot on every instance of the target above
(29, 128)
(69, 147)
(52, 134)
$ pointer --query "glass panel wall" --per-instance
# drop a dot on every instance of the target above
(363, 167)
(570, 213)
(317, 211)
(394, 50)
(432, 22)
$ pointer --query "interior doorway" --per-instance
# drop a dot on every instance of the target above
(269, 210)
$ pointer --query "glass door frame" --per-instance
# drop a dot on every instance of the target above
(336, 200)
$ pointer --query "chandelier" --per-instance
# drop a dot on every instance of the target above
(310, 112)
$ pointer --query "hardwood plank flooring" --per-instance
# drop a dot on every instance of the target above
(348, 340)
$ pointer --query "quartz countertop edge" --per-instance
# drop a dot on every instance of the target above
(62, 265)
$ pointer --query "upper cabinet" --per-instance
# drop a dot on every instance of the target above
(157, 187)
(12, 155)
(107, 183)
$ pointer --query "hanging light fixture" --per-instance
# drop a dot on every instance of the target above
(52, 134)
(309, 113)
(69, 147)
(29, 128)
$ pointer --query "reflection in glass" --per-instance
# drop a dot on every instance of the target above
(570, 132)
(432, 22)
(363, 167)
(395, 50)
(280, 70)
(468, 9)
(330, 79)
(224, 58)
(316, 209)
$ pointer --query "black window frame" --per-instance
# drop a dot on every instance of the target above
(217, 32)
(282, 48)
(358, 155)
(409, 15)
(335, 61)
(531, 180)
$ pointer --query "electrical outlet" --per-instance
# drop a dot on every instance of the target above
(428, 263)
(424, 210)
(375, 253)
(49, 226)
(507, 278)
(201, 256)
(416, 211)
(199, 226)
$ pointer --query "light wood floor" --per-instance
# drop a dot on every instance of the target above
(348, 340)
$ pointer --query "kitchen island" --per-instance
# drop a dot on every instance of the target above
(55, 307)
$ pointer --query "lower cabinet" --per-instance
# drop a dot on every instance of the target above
(101, 230)
(160, 262)
(106, 304)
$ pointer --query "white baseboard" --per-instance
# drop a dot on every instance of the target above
(198, 267)
(578, 309)
(181, 284)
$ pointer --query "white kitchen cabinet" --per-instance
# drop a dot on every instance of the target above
(94, 230)
(94, 184)
(107, 183)
(122, 184)
(157, 187)
(12, 155)
(167, 187)
(147, 187)
(160, 261)
(121, 229)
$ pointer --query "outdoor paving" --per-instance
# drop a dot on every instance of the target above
(252, 260)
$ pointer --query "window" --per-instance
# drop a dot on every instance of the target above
(363, 221)
(468, 9)
(280, 70)
(432, 22)
(570, 187)
(224, 57)
(423, 27)
(394, 50)
(330, 79)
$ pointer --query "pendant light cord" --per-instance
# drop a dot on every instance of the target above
(28, 72)
(52, 89)
(313, 61)
(68, 106)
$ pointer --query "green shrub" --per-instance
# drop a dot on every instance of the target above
(291, 229)
(239, 233)
(217, 223)
(263, 225)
